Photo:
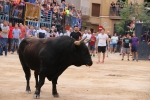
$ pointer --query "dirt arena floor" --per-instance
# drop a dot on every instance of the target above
(114, 80)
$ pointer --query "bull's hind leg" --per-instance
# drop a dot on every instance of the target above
(54, 88)
(27, 75)
(41, 81)
(40, 84)
(36, 78)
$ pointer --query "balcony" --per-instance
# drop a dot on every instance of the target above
(115, 13)
(85, 12)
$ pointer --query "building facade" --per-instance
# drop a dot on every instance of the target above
(97, 13)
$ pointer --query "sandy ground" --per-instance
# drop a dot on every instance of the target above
(114, 80)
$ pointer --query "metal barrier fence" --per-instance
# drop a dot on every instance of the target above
(39, 24)
(2, 17)
(73, 21)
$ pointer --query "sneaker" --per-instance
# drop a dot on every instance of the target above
(122, 59)
(12, 52)
(128, 60)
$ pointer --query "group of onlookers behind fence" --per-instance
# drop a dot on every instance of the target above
(115, 8)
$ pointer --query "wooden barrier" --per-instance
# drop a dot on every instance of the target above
(32, 12)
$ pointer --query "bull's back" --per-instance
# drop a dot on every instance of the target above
(29, 51)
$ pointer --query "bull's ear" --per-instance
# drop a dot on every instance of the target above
(82, 40)
(77, 43)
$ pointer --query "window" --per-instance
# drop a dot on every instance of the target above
(95, 10)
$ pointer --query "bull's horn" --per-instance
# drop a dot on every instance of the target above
(87, 41)
(82, 40)
(79, 42)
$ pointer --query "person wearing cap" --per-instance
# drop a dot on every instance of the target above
(41, 33)
(102, 39)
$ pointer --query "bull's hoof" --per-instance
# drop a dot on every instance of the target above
(36, 96)
(56, 95)
(28, 91)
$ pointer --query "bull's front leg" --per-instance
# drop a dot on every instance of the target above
(54, 88)
(40, 84)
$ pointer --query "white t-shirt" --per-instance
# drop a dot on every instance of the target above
(89, 36)
(84, 35)
(102, 39)
(42, 33)
(47, 34)
(114, 39)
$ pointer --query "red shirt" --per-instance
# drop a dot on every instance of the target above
(23, 30)
(10, 32)
(93, 40)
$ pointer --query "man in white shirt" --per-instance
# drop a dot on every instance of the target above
(85, 35)
(102, 39)
(41, 33)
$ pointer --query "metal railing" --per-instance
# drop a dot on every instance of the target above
(73, 21)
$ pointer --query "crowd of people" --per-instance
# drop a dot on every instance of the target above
(98, 42)
(115, 8)
(62, 12)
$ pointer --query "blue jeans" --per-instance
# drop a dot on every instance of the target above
(14, 42)
(3, 45)
(6, 8)
(16, 12)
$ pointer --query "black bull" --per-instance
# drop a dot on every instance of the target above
(50, 58)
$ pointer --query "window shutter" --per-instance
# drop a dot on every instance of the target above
(95, 10)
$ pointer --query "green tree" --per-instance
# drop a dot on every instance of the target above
(135, 12)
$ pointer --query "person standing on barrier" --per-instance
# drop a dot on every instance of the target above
(16, 34)
(23, 30)
(134, 43)
(41, 33)
(4, 35)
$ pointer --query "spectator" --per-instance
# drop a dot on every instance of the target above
(134, 43)
(114, 40)
(16, 33)
(22, 28)
(47, 33)
(76, 34)
(92, 44)
(41, 33)
(31, 32)
(4, 37)
(10, 36)
(126, 46)
(113, 8)
(102, 38)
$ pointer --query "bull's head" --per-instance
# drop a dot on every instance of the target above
(83, 56)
